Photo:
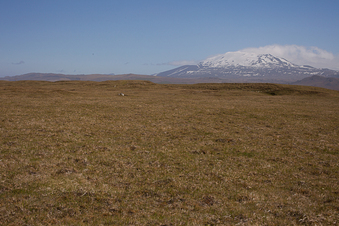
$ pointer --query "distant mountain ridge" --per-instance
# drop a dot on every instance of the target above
(232, 67)
(51, 77)
(249, 66)
(319, 81)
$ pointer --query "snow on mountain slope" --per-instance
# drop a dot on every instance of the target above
(247, 59)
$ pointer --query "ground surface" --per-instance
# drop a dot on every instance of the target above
(78, 153)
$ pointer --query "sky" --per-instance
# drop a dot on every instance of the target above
(151, 36)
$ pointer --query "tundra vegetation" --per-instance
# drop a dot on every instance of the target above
(78, 153)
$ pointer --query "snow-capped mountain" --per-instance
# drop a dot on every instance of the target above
(249, 66)
(246, 59)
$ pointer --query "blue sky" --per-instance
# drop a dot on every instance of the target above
(150, 36)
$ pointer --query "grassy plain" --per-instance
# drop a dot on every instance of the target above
(78, 153)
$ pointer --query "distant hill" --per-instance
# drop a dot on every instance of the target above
(104, 77)
(62, 77)
(58, 77)
(319, 81)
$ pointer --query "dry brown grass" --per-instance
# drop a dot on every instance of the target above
(77, 153)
